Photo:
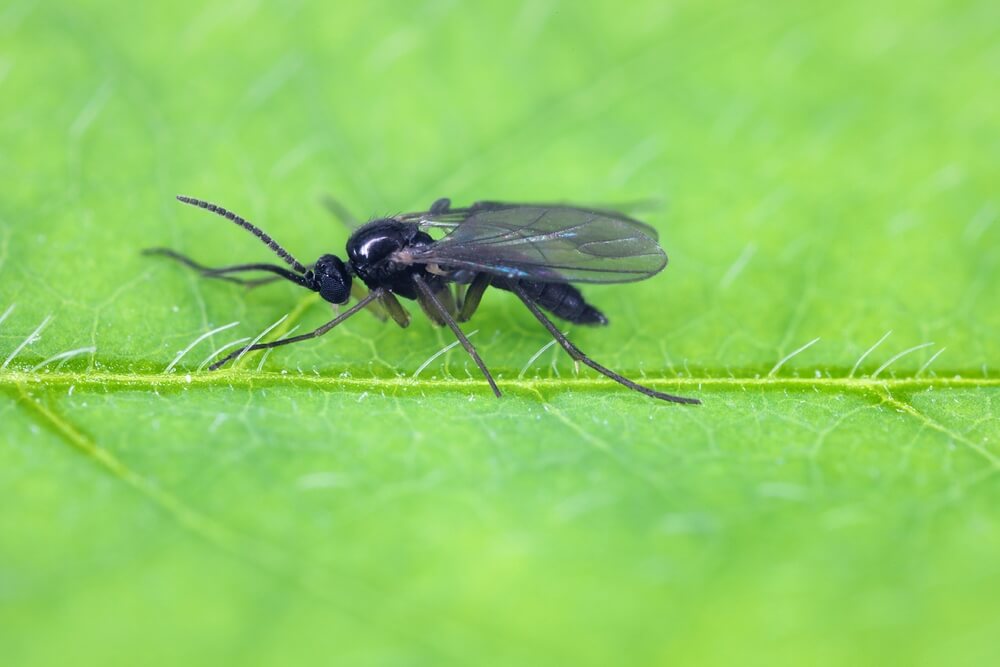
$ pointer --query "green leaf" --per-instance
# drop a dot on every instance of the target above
(826, 175)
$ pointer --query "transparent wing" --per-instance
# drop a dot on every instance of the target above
(543, 243)
(456, 216)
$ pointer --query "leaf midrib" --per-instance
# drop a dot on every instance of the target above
(246, 379)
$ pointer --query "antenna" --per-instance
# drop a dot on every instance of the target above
(256, 231)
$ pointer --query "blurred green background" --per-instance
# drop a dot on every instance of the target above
(822, 172)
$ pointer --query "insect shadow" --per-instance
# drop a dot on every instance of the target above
(536, 251)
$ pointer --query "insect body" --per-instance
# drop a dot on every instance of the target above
(534, 251)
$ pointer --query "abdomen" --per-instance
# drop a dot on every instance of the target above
(562, 300)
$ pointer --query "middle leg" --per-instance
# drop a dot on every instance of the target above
(431, 302)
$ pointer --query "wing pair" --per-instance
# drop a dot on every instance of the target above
(543, 243)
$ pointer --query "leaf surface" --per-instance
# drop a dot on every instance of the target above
(827, 175)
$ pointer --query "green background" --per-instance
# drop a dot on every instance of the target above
(822, 172)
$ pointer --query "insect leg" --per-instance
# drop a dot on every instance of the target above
(340, 212)
(432, 301)
(221, 273)
(395, 309)
(578, 355)
(473, 296)
(445, 300)
(360, 305)
(440, 206)
(375, 307)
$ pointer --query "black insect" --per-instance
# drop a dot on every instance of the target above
(535, 251)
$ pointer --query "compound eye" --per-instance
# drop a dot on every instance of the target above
(333, 279)
(335, 289)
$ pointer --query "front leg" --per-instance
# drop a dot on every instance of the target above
(375, 307)
(315, 333)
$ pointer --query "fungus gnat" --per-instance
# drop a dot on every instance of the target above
(535, 251)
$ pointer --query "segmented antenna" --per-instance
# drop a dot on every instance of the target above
(256, 231)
